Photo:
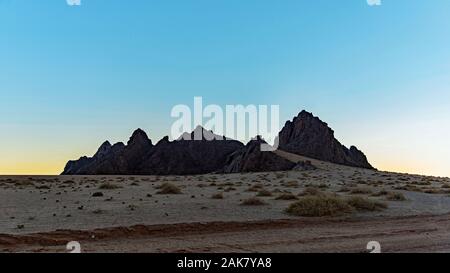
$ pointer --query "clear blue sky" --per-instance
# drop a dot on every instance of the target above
(71, 77)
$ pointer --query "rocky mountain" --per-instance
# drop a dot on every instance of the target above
(202, 151)
(141, 157)
(189, 154)
(307, 135)
(113, 159)
(252, 159)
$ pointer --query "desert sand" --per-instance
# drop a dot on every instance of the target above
(133, 213)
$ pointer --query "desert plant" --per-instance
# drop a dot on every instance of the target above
(255, 188)
(264, 193)
(319, 206)
(395, 196)
(217, 196)
(168, 188)
(254, 201)
(365, 204)
(108, 186)
(311, 191)
(286, 196)
(361, 190)
(291, 184)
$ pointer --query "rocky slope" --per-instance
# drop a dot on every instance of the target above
(189, 155)
(141, 157)
(114, 159)
(252, 159)
(307, 135)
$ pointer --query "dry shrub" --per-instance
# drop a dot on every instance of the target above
(286, 196)
(395, 196)
(291, 184)
(217, 196)
(254, 188)
(168, 188)
(361, 190)
(365, 204)
(319, 206)
(109, 186)
(264, 193)
(254, 201)
(311, 191)
(332, 205)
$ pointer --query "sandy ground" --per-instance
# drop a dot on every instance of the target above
(404, 234)
(131, 216)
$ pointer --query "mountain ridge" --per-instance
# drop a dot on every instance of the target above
(305, 135)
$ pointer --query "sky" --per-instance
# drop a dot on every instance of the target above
(72, 77)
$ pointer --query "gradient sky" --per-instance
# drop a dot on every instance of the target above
(72, 77)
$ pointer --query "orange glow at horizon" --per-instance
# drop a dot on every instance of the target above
(56, 167)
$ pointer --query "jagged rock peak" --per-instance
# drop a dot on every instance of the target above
(139, 136)
(201, 133)
(103, 149)
(309, 136)
(165, 139)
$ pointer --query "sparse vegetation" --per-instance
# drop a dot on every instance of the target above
(395, 196)
(361, 190)
(168, 188)
(217, 196)
(319, 206)
(286, 196)
(332, 205)
(365, 204)
(264, 193)
(109, 186)
(254, 188)
(291, 184)
(254, 201)
(311, 191)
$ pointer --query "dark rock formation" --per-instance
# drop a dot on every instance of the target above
(138, 148)
(307, 135)
(116, 159)
(139, 156)
(252, 159)
(185, 156)
(202, 152)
